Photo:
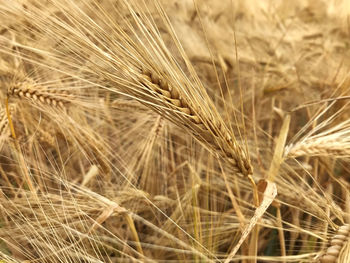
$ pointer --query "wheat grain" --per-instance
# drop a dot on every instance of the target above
(336, 244)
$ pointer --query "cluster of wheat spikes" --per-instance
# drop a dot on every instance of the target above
(157, 131)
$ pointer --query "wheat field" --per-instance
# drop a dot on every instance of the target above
(174, 131)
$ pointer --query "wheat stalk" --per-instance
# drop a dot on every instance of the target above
(3, 123)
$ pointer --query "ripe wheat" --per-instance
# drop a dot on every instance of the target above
(336, 244)
(29, 90)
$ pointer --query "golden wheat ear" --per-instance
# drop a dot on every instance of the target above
(205, 128)
(336, 244)
(333, 142)
(29, 90)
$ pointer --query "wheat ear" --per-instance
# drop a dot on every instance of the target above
(30, 90)
(335, 142)
(212, 132)
(320, 147)
(336, 244)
